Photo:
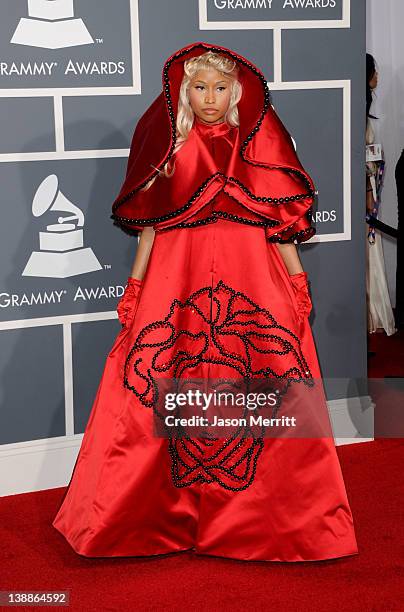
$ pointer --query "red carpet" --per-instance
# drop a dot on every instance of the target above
(35, 556)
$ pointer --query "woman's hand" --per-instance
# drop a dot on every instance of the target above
(126, 307)
(298, 278)
(300, 284)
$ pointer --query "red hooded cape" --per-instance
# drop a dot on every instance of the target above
(264, 175)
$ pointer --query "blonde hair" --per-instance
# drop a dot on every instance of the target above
(185, 114)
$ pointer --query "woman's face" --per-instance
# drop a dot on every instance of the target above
(373, 80)
(209, 95)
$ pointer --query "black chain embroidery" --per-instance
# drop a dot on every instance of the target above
(233, 465)
(301, 235)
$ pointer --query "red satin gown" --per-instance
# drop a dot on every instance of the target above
(207, 289)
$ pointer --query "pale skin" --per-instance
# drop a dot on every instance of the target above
(209, 89)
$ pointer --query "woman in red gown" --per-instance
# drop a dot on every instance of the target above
(214, 172)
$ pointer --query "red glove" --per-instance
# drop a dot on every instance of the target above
(301, 288)
(126, 306)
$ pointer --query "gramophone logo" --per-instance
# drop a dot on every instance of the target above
(61, 251)
(51, 25)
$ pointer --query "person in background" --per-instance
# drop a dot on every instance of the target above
(379, 311)
(399, 310)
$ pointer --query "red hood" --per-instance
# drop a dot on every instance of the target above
(266, 167)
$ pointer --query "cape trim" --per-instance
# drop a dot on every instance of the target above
(120, 220)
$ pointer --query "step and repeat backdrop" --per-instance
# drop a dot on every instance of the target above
(74, 79)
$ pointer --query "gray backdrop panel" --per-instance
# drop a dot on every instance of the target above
(105, 122)
(31, 384)
(91, 343)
